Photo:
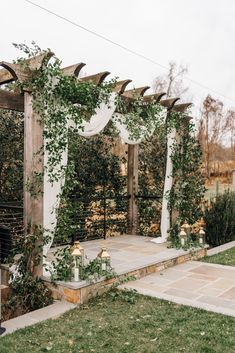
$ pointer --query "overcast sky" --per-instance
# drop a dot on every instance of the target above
(197, 33)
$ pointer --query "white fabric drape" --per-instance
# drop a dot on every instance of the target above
(118, 120)
(165, 216)
(97, 123)
(51, 191)
(100, 119)
(51, 202)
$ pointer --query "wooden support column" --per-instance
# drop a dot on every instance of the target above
(33, 162)
(132, 188)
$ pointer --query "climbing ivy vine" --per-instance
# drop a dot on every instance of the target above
(188, 188)
(63, 103)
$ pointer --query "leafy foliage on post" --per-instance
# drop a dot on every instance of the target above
(188, 188)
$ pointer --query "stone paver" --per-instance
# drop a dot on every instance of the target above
(221, 248)
(50, 312)
(207, 286)
(128, 252)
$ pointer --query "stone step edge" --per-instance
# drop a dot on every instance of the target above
(83, 294)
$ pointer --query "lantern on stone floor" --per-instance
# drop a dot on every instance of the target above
(182, 236)
(202, 236)
(187, 228)
(77, 258)
(77, 245)
(104, 259)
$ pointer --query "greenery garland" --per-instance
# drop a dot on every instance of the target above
(140, 117)
(59, 99)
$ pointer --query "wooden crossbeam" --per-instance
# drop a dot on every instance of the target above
(97, 79)
(181, 108)
(121, 86)
(188, 118)
(11, 101)
(169, 103)
(156, 96)
(136, 92)
(12, 72)
(73, 70)
(5, 76)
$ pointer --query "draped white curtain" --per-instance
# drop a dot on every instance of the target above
(125, 135)
(103, 114)
(51, 191)
(165, 216)
(51, 202)
(100, 119)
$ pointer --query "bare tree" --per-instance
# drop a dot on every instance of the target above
(211, 130)
(230, 128)
(172, 81)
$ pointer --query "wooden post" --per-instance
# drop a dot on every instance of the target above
(132, 188)
(33, 162)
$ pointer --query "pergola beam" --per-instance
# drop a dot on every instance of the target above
(11, 101)
(5, 76)
(97, 79)
(156, 96)
(169, 103)
(120, 86)
(73, 70)
(181, 108)
(12, 72)
(136, 92)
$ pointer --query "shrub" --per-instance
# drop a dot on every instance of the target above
(220, 220)
(27, 293)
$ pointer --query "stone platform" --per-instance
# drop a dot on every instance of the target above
(130, 256)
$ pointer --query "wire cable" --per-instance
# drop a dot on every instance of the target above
(125, 48)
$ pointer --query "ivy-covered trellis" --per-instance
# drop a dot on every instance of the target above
(57, 105)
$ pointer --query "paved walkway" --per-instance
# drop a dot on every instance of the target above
(221, 248)
(34, 317)
(198, 284)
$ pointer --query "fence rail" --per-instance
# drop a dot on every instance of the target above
(11, 227)
(95, 217)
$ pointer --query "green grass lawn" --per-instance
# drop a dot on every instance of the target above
(224, 258)
(106, 326)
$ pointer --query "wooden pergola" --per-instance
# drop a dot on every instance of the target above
(33, 130)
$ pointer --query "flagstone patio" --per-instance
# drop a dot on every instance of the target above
(129, 252)
(130, 256)
(198, 284)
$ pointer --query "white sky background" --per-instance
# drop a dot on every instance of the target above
(197, 33)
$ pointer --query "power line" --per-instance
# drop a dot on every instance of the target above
(125, 48)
